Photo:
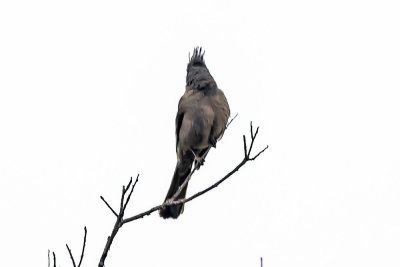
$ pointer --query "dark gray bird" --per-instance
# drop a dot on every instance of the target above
(203, 112)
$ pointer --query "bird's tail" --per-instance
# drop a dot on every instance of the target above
(182, 170)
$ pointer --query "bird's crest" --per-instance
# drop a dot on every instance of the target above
(197, 57)
(198, 77)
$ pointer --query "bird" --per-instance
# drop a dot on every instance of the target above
(201, 120)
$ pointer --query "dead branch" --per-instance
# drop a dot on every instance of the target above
(49, 260)
(120, 216)
(229, 122)
(128, 190)
(243, 162)
(83, 251)
(54, 260)
(120, 221)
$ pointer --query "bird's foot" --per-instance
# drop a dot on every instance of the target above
(212, 141)
(167, 202)
(198, 161)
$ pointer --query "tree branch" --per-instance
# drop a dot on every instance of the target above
(54, 260)
(120, 216)
(70, 254)
(120, 221)
(108, 205)
(83, 247)
(83, 251)
(229, 122)
(172, 201)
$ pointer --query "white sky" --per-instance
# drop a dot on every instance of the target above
(88, 97)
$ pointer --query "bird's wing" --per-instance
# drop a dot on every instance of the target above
(222, 114)
(178, 122)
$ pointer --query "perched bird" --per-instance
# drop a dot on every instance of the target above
(203, 112)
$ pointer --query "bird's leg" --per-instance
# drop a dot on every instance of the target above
(198, 161)
(211, 138)
(212, 141)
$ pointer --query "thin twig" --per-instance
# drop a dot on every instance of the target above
(180, 188)
(245, 146)
(259, 153)
(229, 122)
(121, 206)
(108, 205)
(120, 216)
(54, 260)
(70, 254)
(129, 184)
(130, 193)
(145, 213)
(48, 258)
(83, 250)
(120, 221)
(83, 247)
(181, 201)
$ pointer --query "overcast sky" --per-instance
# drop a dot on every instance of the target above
(88, 97)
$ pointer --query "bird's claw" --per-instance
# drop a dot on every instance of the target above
(198, 161)
(213, 142)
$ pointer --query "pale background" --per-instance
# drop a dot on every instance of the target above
(89, 93)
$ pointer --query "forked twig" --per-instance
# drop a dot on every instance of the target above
(83, 251)
(172, 200)
(108, 205)
(54, 259)
(125, 198)
(120, 216)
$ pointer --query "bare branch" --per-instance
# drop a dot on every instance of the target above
(121, 205)
(229, 122)
(172, 200)
(54, 260)
(181, 201)
(110, 238)
(83, 247)
(120, 221)
(141, 215)
(48, 258)
(258, 154)
(180, 188)
(130, 193)
(102, 198)
(253, 137)
(83, 251)
(129, 184)
(245, 146)
(70, 254)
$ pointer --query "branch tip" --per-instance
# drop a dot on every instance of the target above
(54, 259)
(259, 153)
(245, 147)
(70, 254)
(108, 205)
(226, 127)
